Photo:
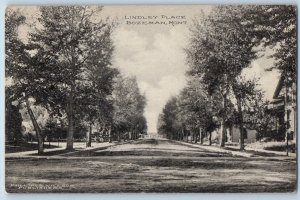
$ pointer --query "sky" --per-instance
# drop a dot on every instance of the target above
(154, 53)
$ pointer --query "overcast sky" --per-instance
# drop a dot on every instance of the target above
(154, 53)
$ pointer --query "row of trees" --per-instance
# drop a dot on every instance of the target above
(223, 44)
(64, 66)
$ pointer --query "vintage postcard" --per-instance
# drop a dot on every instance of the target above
(155, 99)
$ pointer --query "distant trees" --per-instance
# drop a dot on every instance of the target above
(129, 105)
(65, 67)
(169, 118)
(195, 110)
(188, 114)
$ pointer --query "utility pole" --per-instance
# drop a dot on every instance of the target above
(286, 109)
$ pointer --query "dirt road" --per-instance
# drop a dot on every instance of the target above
(150, 165)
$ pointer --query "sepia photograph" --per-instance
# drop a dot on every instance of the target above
(151, 99)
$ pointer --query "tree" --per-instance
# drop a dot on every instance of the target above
(258, 116)
(189, 113)
(13, 123)
(20, 75)
(274, 26)
(220, 58)
(96, 95)
(206, 62)
(243, 90)
(129, 105)
(169, 119)
(160, 126)
(71, 43)
(195, 109)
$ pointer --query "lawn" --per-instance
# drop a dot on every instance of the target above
(26, 146)
(273, 146)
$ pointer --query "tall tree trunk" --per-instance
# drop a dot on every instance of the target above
(129, 135)
(231, 132)
(192, 138)
(132, 134)
(240, 113)
(102, 133)
(37, 129)
(135, 134)
(223, 133)
(223, 123)
(89, 137)
(119, 136)
(200, 135)
(209, 139)
(109, 135)
(186, 135)
(70, 114)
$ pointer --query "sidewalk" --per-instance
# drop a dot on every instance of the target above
(78, 147)
(248, 153)
(263, 151)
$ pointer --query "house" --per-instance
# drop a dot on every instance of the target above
(249, 135)
(283, 107)
(233, 134)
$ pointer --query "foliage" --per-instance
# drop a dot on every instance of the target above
(129, 105)
(169, 118)
(13, 123)
(274, 26)
(223, 43)
(65, 67)
(188, 112)
(74, 59)
(258, 116)
(218, 59)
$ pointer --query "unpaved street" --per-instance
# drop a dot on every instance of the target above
(150, 165)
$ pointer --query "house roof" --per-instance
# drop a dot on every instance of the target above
(278, 87)
(277, 100)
